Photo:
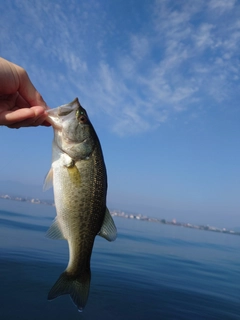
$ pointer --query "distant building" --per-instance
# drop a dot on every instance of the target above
(35, 201)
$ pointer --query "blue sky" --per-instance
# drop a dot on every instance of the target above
(160, 81)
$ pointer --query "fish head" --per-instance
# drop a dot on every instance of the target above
(74, 133)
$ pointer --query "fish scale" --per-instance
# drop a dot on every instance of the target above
(79, 180)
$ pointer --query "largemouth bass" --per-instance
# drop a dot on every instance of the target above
(79, 179)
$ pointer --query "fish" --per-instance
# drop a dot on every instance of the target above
(79, 179)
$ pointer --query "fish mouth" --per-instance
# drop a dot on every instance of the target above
(65, 110)
(56, 115)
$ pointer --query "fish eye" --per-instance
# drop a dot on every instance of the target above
(82, 117)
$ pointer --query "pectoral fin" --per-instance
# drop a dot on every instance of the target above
(48, 183)
(54, 232)
(108, 229)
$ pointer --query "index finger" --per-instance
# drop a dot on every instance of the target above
(14, 78)
(28, 91)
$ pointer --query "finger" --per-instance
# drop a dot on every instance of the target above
(28, 91)
(46, 124)
(21, 103)
(33, 122)
(14, 79)
(8, 102)
(29, 114)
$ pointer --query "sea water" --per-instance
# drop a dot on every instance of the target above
(152, 271)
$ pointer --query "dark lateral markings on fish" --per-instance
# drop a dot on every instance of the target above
(79, 179)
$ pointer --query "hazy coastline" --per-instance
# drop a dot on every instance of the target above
(126, 215)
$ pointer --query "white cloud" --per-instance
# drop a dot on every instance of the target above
(139, 46)
(140, 78)
(204, 37)
(221, 5)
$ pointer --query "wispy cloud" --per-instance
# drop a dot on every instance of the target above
(185, 56)
(221, 5)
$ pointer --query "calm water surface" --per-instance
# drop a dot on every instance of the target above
(151, 271)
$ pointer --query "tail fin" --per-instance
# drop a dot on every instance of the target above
(77, 287)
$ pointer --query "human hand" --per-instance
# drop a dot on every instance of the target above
(21, 105)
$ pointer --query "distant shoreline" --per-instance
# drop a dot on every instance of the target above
(122, 214)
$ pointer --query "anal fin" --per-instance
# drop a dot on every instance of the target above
(108, 229)
(54, 232)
